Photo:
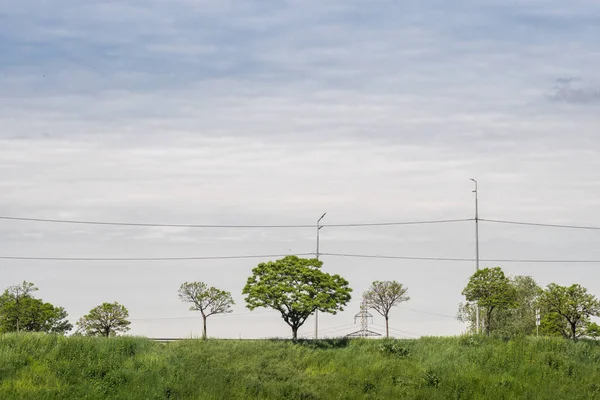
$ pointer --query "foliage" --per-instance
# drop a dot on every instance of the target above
(20, 311)
(592, 330)
(107, 319)
(382, 296)
(207, 300)
(573, 304)
(509, 322)
(552, 324)
(34, 366)
(491, 289)
(296, 287)
(394, 347)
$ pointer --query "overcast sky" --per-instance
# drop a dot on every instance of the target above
(273, 112)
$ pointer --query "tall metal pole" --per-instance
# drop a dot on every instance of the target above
(476, 247)
(319, 226)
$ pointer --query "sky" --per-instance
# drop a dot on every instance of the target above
(273, 112)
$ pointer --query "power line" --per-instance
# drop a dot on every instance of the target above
(395, 257)
(82, 222)
(441, 221)
(533, 261)
(198, 316)
(348, 225)
(85, 222)
(427, 312)
(397, 330)
(497, 221)
(370, 256)
(149, 258)
(328, 331)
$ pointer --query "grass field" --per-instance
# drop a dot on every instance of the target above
(35, 366)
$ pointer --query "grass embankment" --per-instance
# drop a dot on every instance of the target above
(50, 367)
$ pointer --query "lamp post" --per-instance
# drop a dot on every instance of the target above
(319, 226)
(476, 247)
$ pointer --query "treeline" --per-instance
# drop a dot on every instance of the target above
(509, 306)
(21, 311)
(297, 287)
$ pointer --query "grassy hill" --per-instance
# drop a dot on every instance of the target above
(51, 367)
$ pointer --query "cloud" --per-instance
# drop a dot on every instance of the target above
(569, 90)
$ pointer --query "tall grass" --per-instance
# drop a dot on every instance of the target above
(36, 366)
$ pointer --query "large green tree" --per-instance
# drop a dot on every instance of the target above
(207, 300)
(296, 287)
(20, 311)
(573, 304)
(516, 321)
(382, 296)
(491, 290)
(107, 319)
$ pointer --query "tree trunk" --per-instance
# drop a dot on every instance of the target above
(574, 330)
(294, 333)
(203, 326)
(387, 327)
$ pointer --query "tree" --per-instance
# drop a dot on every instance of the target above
(20, 311)
(491, 290)
(107, 319)
(382, 296)
(207, 300)
(516, 321)
(296, 287)
(573, 304)
(18, 292)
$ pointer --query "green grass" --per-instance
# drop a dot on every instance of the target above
(36, 366)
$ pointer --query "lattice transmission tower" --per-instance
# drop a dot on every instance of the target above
(363, 316)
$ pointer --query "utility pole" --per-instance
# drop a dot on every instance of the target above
(319, 226)
(537, 322)
(476, 247)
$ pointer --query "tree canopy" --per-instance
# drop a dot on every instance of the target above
(107, 319)
(207, 300)
(296, 287)
(573, 306)
(516, 321)
(382, 296)
(491, 290)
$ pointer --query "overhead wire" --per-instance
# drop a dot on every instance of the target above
(224, 226)
(239, 226)
(198, 316)
(498, 221)
(368, 256)
(506, 260)
(150, 258)
(397, 330)
(427, 312)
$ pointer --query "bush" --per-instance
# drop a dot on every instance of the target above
(393, 347)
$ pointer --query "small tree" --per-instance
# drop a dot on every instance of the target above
(382, 296)
(207, 300)
(492, 290)
(107, 319)
(573, 304)
(296, 287)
